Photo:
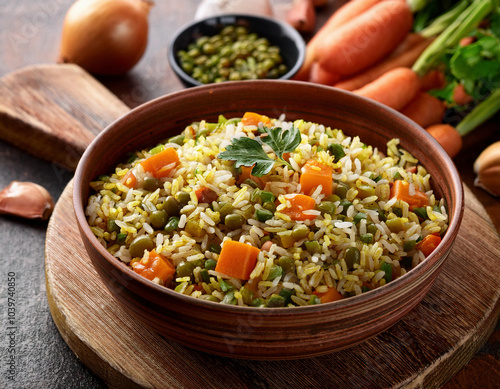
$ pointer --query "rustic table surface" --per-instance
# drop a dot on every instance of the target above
(30, 34)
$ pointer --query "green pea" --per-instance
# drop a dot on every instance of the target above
(409, 245)
(263, 214)
(158, 219)
(183, 198)
(171, 206)
(275, 272)
(151, 184)
(371, 228)
(276, 301)
(112, 226)
(333, 198)
(178, 139)
(193, 228)
(366, 238)
(185, 269)
(214, 248)
(337, 151)
(234, 221)
(327, 207)
(313, 247)
(258, 302)
(387, 269)
(345, 206)
(300, 231)
(172, 225)
(365, 191)
(287, 295)
(352, 257)
(287, 264)
(210, 264)
(121, 238)
(358, 217)
(341, 190)
(139, 245)
(224, 209)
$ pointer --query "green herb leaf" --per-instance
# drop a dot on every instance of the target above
(249, 152)
(282, 141)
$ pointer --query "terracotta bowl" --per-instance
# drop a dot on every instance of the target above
(292, 46)
(266, 333)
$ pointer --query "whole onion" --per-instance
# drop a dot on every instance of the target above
(105, 37)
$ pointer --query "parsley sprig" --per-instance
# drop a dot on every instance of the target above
(249, 152)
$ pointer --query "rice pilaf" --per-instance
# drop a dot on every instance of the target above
(169, 212)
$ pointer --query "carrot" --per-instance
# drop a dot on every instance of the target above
(162, 163)
(424, 109)
(302, 16)
(298, 204)
(129, 180)
(320, 75)
(253, 119)
(344, 14)
(433, 79)
(314, 174)
(366, 39)
(395, 88)
(428, 244)
(448, 137)
(156, 265)
(401, 190)
(206, 195)
(330, 295)
(237, 259)
(460, 96)
(405, 58)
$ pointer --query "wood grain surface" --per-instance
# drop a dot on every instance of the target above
(424, 349)
(55, 111)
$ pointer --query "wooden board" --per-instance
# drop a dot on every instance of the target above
(55, 111)
(424, 349)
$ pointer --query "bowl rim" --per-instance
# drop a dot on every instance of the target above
(436, 258)
(290, 32)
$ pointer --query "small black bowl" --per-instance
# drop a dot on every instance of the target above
(292, 46)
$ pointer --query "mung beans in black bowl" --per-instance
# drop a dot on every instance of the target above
(236, 47)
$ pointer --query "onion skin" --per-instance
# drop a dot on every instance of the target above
(105, 37)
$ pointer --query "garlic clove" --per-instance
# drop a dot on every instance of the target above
(209, 8)
(490, 156)
(26, 199)
(489, 180)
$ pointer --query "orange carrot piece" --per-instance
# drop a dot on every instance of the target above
(448, 137)
(156, 265)
(314, 174)
(434, 79)
(401, 190)
(253, 119)
(366, 39)
(428, 244)
(129, 180)
(330, 295)
(246, 173)
(160, 165)
(237, 259)
(320, 75)
(344, 14)
(299, 203)
(396, 88)
(424, 109)
(403, 59)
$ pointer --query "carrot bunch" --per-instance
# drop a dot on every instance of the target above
(369, 47)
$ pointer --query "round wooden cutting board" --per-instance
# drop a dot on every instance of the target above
(424, 349)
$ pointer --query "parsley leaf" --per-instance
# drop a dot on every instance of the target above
(249, 152)
(282, 141)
